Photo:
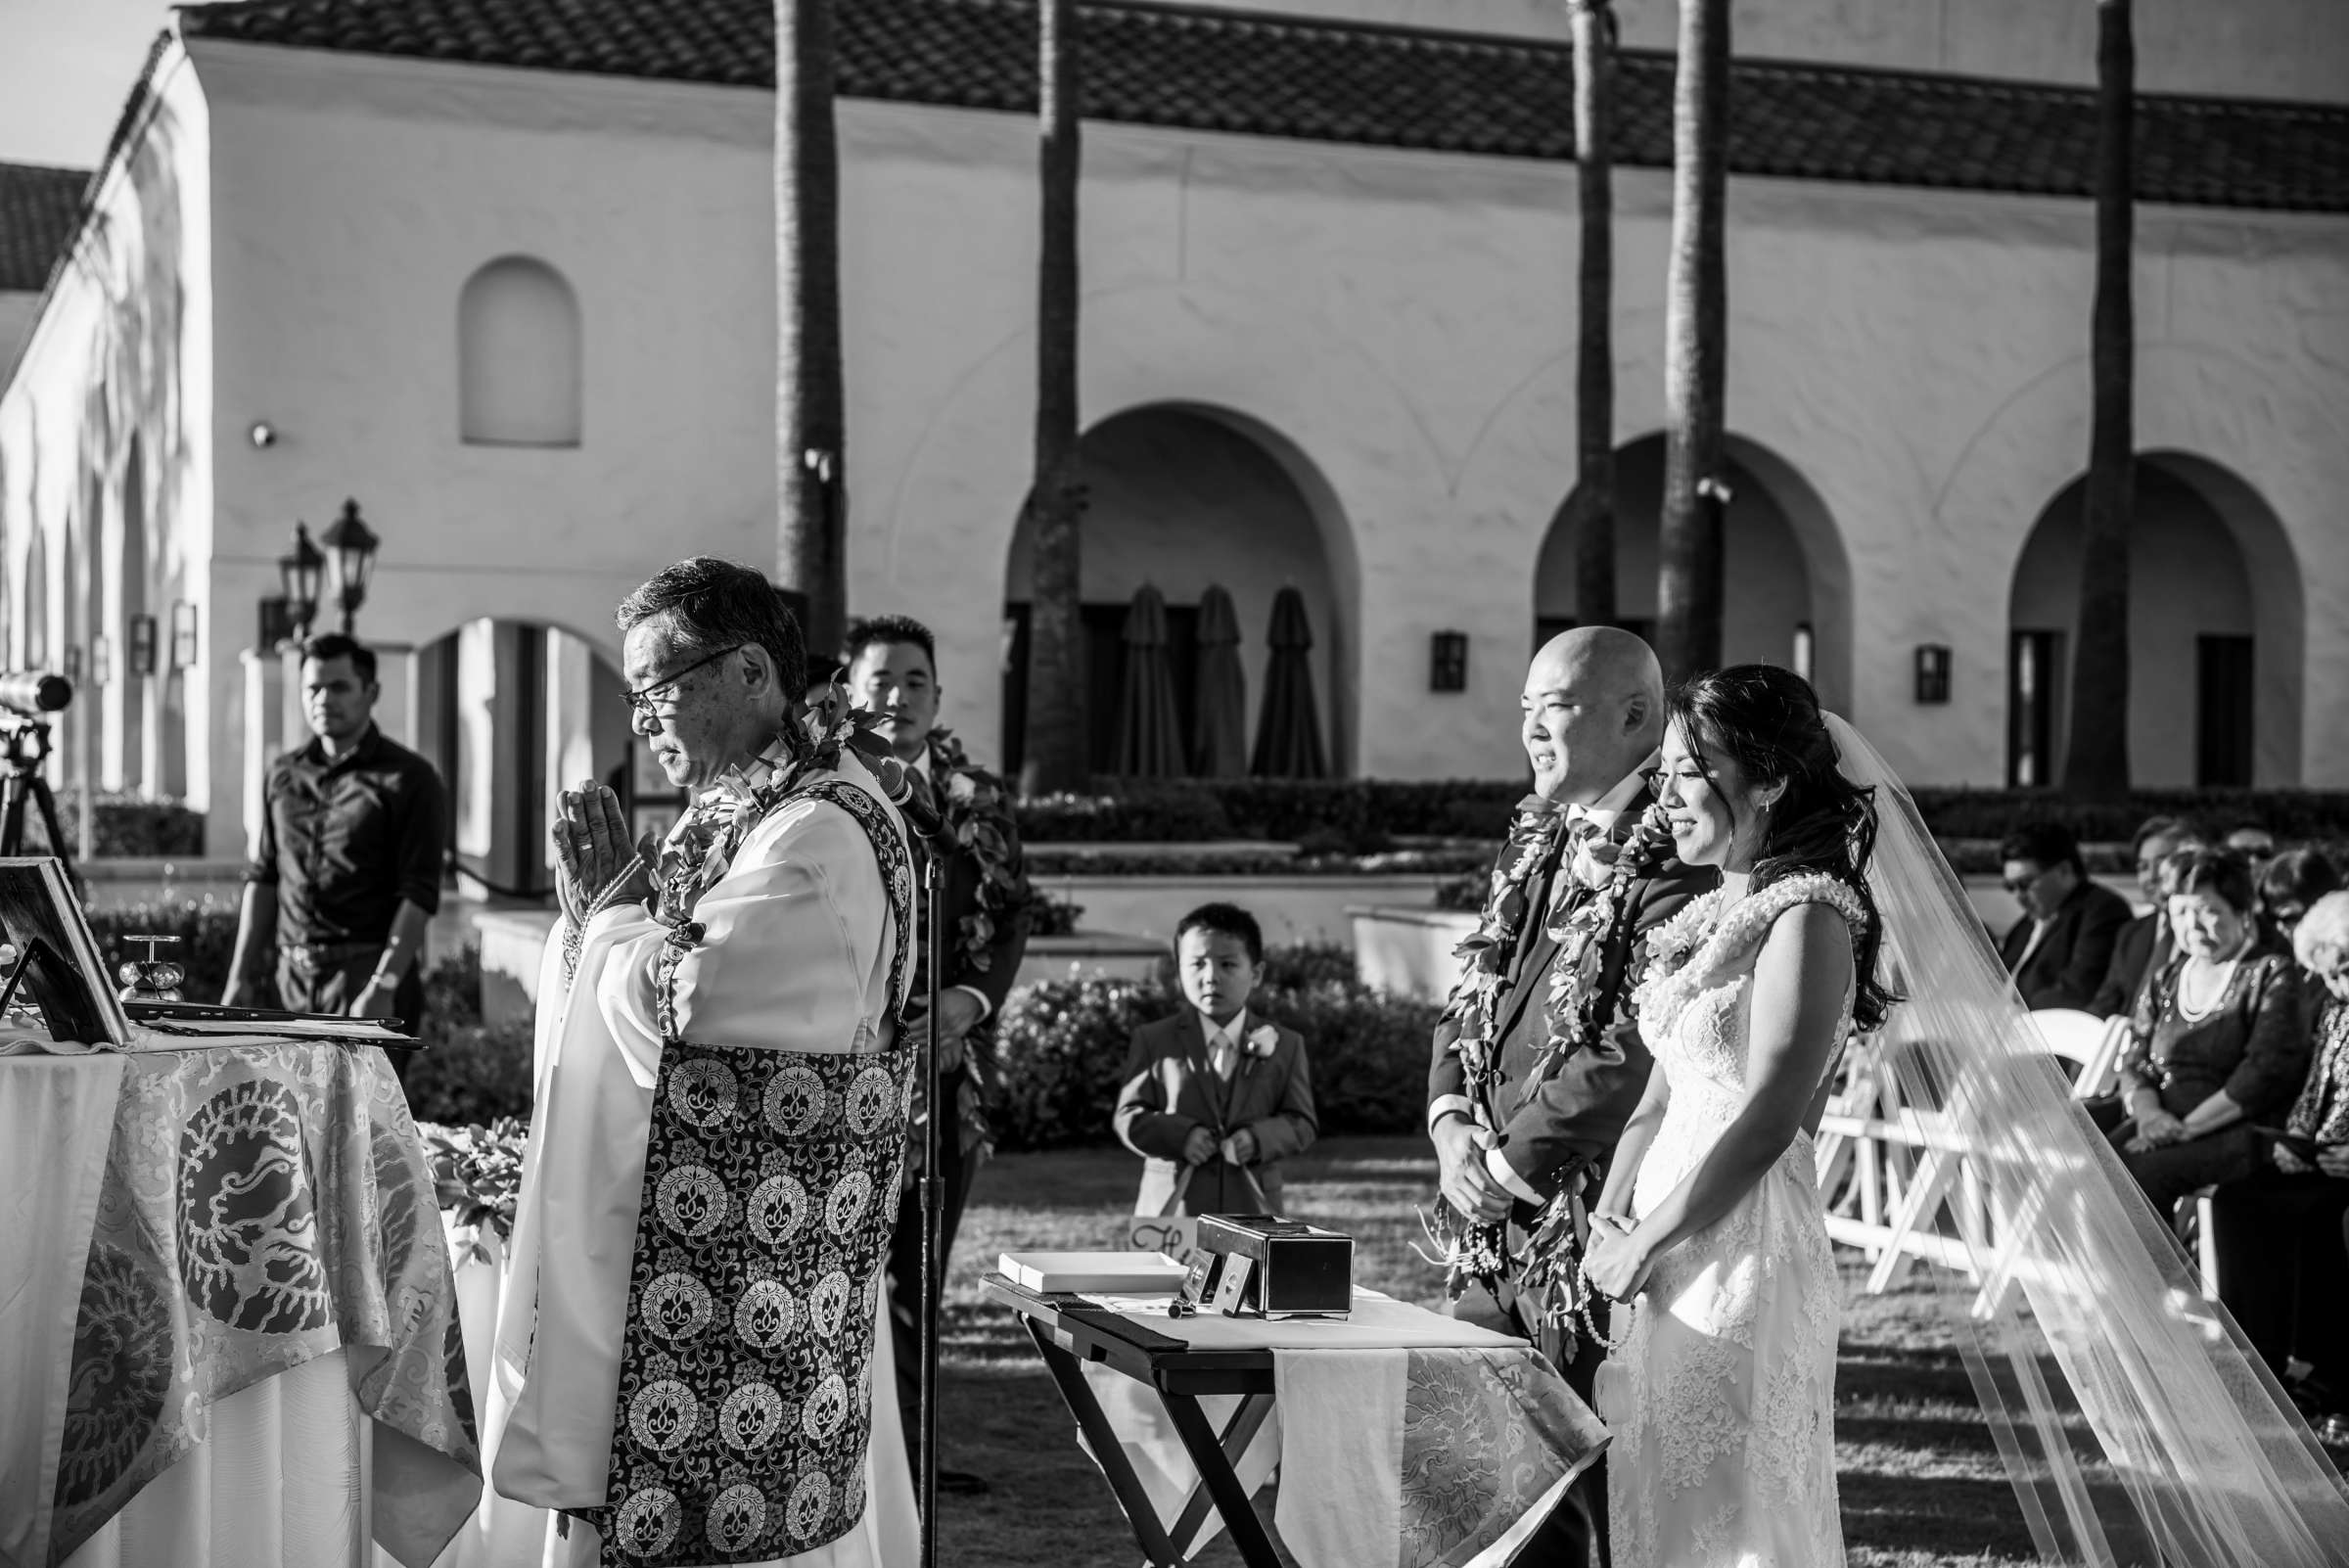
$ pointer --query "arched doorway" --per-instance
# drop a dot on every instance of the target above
(2215, 634)
(1788, 598)
(1183, 498)
(511, 713)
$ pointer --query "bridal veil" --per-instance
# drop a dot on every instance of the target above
(2217, 1467)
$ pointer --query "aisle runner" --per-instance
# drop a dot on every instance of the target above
(263, 1206)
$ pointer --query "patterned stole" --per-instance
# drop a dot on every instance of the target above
(744, 1411)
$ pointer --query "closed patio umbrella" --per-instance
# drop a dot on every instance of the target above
(1288, 731)
(1219, 727)
(1149, 737)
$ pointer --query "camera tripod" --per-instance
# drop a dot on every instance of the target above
(23, 750)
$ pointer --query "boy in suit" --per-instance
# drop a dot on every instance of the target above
(1215, 1098)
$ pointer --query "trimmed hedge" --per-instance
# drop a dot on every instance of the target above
(1991, 813)
(1364, 814)
(127, 826)
(1047, 862)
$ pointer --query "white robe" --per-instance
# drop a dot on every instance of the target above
(794, 955)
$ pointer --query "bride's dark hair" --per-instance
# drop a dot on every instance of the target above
(1768, 721)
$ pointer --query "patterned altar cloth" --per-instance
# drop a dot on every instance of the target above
(263, 1205)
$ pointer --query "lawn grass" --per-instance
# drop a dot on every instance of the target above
(1921, 1481)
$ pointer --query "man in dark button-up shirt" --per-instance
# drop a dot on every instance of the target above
(347, 870)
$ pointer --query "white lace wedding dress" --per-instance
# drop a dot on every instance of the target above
(1722, 1402)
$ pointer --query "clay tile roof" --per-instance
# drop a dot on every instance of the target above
(40, 208)
(1327, 81)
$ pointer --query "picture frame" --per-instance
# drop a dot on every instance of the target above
(60, 969)
(139, 643)
(186, 648)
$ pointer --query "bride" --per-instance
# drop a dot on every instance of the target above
(1722, 1397)
(1722, 1400)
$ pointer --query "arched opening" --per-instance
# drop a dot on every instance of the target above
(511, 713)
(1789, 600)
(1183, 498)
(518, 357)
(2216, 622)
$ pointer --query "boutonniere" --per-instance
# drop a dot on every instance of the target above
(1261, 1041)
(1595, 859)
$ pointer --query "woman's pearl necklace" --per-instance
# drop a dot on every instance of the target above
(2218, 977)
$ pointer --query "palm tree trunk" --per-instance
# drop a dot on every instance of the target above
(810, 415)
(1592, 517)
(2097, 756)
(1058, 736)
(1688, 585)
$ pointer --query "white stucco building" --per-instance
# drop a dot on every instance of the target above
(503, 270)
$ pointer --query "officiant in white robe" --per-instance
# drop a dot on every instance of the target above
(774, 920)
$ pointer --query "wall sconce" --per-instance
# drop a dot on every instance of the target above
(1932, 673)
(102, 662)
(141, 645)
(263, 435)
(277, 626)
(73, 662)
(1806, 650)
(184, 648)
(1448, 662)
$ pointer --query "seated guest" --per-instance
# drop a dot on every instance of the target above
(2220, 1041)
(2143, 945)
(2252, 841)
(1216, 1097)
(2284, 1264)
(2289, 885)
(2061, 947)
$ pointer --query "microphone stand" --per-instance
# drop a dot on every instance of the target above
(934, 1199)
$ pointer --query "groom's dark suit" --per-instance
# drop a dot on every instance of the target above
(1558, 1123)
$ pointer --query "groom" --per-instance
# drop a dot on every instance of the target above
(1593, 718)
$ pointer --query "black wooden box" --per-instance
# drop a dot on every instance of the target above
(1300, 1271)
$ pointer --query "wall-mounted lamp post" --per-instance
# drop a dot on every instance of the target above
(350, 547)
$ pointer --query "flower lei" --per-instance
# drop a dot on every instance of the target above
(975, 812)
(1580, 1008)
(1474, 1249)
(975, 816)
(695, 856)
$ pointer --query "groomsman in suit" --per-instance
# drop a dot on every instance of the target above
(2143, 945)
(2059, 950)
(1593, 718)
(892, 671)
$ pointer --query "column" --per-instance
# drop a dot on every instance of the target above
(264, 731)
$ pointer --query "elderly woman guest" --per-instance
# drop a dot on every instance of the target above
(2220, 1038)
(2284, 1265)
(2289, 884)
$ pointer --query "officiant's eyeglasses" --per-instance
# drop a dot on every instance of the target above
(641, 700)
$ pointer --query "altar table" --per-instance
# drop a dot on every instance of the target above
(239, 1235)
(1461, 1469)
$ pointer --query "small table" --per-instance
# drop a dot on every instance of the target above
(1070, 1330)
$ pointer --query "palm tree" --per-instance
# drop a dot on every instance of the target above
(1057, 741)
(2097, 756)
(810, 414)
(1592, 517)
(1689, 586)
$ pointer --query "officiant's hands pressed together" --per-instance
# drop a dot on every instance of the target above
(592, 850)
